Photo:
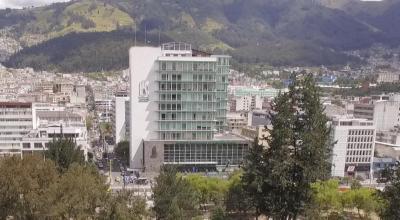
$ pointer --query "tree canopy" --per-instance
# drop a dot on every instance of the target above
(174, 198)
(64, 152)
(278, 178)
(32, 188)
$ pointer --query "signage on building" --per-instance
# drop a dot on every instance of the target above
(144, 91)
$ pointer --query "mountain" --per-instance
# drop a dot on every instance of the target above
(274, 32)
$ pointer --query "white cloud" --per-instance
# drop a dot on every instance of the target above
(26, 3)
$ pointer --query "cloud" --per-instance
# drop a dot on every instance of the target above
(26, 3)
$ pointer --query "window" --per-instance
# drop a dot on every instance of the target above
(163, 66)
(38, 145)
(26, 145)
(163, 116)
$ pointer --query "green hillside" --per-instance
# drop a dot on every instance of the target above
(272, 32)
(57, 20)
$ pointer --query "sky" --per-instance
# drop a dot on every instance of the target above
(26, 3)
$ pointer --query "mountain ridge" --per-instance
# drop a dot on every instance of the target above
(275, 32)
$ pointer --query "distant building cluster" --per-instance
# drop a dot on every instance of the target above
(366, 133)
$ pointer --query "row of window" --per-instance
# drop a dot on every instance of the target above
(358, 152)
(15, 113)
(12, 133)
(14, 127)
(361, 132)
(359, 146)
(187, 116)
(190, 77)
(207, 135)
(190, 126)
(209, 97)
(222, 154)
(197, 87)
(358, 160)
(14, 119)
(188, 66)
(203, 106)
(35, 145)
(360, 139)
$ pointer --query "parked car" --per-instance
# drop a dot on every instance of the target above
(100, 165)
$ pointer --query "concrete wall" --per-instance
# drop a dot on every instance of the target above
(143, 118)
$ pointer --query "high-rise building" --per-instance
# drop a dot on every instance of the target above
(15, 122)
(354, 146)
(178, 109)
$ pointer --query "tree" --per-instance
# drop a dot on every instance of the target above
(278, 178)
(218, 214)
(174, 198)
(64, 152)
(78, 193)
(122, 151)
(390, 197)
(237, 200)
(24, 186)
(125, 205)
(209, 189)
(253, 176)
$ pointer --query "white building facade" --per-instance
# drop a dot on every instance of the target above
(248, 103)
(178, 107)
(353, 151)
(119, 118)
(15, 122)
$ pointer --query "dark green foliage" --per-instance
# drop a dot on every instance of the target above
(218, 214)
(64, 153)
(78, 192)
(82, 52)
(237, 199)
(125, 205)
(278, 178)
(31, 188)
(24, 186)
(390, 197)
(174, 198)
(122, 152)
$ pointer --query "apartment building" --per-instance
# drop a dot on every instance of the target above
(15, 122)
(248, 103)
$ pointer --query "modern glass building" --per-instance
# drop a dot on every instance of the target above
(179, 106)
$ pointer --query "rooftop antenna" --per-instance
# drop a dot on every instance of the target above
(159, 36)
(135, 34)
(145, 34)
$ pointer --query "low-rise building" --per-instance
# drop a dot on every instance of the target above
(388, 77)
(354, 146)
(15, 122)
